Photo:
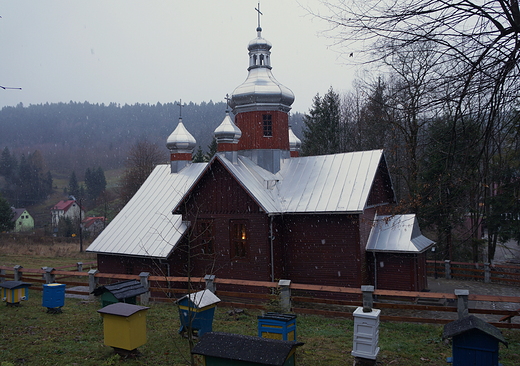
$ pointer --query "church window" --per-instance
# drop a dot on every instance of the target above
(239, 238)
(268, 125)
(206, 236)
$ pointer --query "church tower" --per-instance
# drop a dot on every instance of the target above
(261, 107)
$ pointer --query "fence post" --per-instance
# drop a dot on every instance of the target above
(368, 300)
(2, 273)
(17, 272)
(487, 273)
(92, 282)
(462, 303)
(447, 269)
(145, 298)
(285, 295)
(210, 283)
(79, 266)
(48, 275)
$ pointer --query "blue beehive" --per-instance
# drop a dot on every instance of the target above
(277, 326)
(475, 342)
(196, 311)
(53, 297)
(14, 291)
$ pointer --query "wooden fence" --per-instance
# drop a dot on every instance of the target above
(334, 300)
(486, 272)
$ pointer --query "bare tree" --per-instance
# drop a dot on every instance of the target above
(476, 47)
(476, 42)
(142, 159)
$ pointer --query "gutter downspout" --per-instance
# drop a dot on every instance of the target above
(375, 271)
(271, 239)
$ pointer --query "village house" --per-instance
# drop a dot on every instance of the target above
(23, 221)
(259, 211)
(68, 208)
(93, 225)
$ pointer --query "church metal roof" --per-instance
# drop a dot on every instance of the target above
(145, 226)
(398, 234)
(338, 183)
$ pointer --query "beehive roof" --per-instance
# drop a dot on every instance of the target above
(469, 323)
(238, 347)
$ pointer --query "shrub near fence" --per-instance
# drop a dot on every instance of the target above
(168, 289)
(485, 272)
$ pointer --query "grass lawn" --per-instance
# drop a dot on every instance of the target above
(44, 261)
(30, 336)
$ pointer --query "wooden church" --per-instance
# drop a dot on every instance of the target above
(258, 211)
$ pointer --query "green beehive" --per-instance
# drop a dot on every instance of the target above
(125, 291)
(225, 349)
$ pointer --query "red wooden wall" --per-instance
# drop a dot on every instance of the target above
(323, 249)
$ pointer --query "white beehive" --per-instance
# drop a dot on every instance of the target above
(366, 333)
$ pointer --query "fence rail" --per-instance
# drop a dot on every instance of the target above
(334, 301)
(485, 272)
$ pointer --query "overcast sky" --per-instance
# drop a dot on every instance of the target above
(127, 51)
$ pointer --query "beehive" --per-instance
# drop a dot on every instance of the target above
(14, 291)
(277, 326)
(124, 325)
(53, 297)
(196, 311)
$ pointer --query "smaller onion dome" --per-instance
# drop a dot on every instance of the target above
(294, 142)
(180, 140)
(227, 131)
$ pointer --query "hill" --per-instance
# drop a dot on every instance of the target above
(75, 136)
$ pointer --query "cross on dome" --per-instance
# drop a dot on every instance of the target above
(180, 107)
(259, 29)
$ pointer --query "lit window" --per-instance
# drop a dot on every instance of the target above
(267, 125)
(239, 237)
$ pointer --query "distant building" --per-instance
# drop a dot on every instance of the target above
(258, 211)
(23, 220)
(93, 225)
(66, 209)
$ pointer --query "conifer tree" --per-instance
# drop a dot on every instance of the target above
(199, 156)
(321, 133)
(212, 149)
(6, 215)
(74, 189)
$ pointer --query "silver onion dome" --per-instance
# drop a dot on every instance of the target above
(180, 140)
(227, 131)
(260, 91)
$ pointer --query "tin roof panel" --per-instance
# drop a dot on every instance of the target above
(145, 226)
(328, 183)
(399, 233)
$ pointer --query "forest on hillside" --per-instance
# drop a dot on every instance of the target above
(74, 136)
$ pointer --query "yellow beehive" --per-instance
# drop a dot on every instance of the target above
(124, 325)
(14, 291)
